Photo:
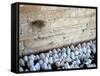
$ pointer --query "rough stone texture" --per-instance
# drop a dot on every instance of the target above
(63, 26)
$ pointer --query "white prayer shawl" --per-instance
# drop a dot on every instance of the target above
(76, 52)
(88, 55)
(76, 66)
(84, 50)
(37, 57)
(30, 63)
(21, 62)
(26, 70)
(72, 55)
(37, 66)
(32, 68)
(49, 67)
(44, 66)
(32, 57)
(59, 50)
(88, 62)
(93, 48)
(50, 60)
(66, 66)
(21, 69)
(64, 50)
(47, 55)
(58, 64)
(78, 62)
(68, 51)
(25, 58)
(46, 60)
(55, 60)
(68, 59)
(42, 56)
(64, 54)
(50, 53)
(54, 51)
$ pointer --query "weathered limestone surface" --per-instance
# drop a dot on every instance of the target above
(63, 26)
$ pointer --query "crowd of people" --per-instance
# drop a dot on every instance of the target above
(71, 57)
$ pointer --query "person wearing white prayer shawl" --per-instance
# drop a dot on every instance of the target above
(76, 66)
(60, 58)
(64, 54)
(30, 63)
(40, 62)
(91, 42)
(78, 61)
(64, 59)
(83, 56)
(68, 51)
(84, 48)
(37, 66)
(88, 62)
(59, 54)
(76, 51)
(56, 55)
(32, 68)
(50, 53)
(88, 44)
(44, 66)
(63, 67)
(93, 46)
(49, 67)
(72, 48)
(88, 49)
(47, 55)
(94, 41)
(37, 57)
(88, 52)
(25, 58)
(88, 55)
(32, 57)
(80, 50)
(72, 55)
(59, 50)
(21, 62)
(73, 64)
(42, 56)
(62, 63)
(54, 51)
(21, 69)
(50, 60)
(58, 64)
(67, 66)
(55, 59)
(46, 60)
(64, 50)
(68, 59)
(81, 66)
(26, 70)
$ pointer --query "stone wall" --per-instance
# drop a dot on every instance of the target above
(62, 26)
